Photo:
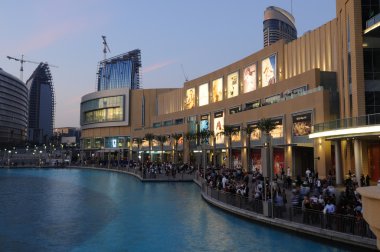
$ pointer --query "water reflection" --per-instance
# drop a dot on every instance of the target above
(84, 210)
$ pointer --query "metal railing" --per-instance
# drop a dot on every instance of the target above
(341, 223)
(352, 122)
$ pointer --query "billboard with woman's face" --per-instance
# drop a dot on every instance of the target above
(233, 85)
(302, 124)
(203, 94)
(249, 78)
(190, 98)
(217, 90)
(268, 71)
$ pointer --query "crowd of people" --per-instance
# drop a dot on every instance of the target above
(310, 197)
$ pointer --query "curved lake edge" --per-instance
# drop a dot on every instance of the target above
(297, 228)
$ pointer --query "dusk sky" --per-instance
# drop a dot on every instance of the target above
(201, 35)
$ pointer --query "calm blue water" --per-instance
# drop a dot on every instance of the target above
(87, 210)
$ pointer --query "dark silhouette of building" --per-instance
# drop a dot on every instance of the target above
(13, 110)
(41, 105)
(278, 24)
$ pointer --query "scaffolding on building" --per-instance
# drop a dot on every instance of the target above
(37, 98)
(121, 71)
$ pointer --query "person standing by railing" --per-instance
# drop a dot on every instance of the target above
(329, 210)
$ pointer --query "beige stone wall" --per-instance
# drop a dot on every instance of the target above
(314, 49)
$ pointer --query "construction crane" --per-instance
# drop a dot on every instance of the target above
(106, 48)
(22, 60)
(184, 74)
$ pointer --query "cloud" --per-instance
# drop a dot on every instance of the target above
(50, 34)
(157, 66)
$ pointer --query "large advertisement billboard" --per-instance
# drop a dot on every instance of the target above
(302, 124)
(233, 85)
(217, 90)
(203, 94)
(268, 71)
(249, 78)
(219, 127)
(190, 98)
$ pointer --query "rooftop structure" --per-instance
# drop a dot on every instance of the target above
(278, 24)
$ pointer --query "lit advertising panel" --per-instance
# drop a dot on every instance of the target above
(233, 85)
(268, 71)
(217, 90)
(203, 94)
(256, 133)
(168, 141)
(204, 124)
(190, 98)
(219, 127)
(236, 137)
(278, 131)
(249, 78)
(302, 124)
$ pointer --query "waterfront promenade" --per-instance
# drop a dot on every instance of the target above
(344, 229)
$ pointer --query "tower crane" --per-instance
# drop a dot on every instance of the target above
(106, 48)
(22, 60)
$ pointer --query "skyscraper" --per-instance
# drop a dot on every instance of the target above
(122, 71)
(278, 24)
(41, 105)
(13, 110)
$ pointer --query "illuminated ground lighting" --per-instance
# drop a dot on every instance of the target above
(350, 131)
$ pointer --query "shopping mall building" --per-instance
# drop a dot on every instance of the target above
(321, 90)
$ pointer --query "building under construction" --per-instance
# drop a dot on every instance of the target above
(122, 71)
(41, 105)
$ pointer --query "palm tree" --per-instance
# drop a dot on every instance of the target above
(149, 137)
(204, 136)
(139, 141)
(189, 136)
(162, 139)
(266, 125)
(176, 138)
(229, 131)
(212, 134)
(248, 131)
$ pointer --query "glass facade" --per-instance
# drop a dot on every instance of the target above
(115, 142)
(122, 71)
(106, 109)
